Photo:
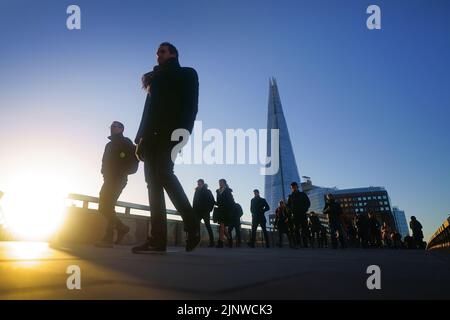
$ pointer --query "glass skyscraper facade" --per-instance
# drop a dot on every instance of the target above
(400, 221)
(277, 186)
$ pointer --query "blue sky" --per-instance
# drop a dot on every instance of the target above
(364, 108)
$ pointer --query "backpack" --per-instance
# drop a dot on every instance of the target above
(211, 201)
(133, 162)
(238, 210)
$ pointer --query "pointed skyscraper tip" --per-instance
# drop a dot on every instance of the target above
(274, 81)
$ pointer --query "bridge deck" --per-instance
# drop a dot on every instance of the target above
(36, 271)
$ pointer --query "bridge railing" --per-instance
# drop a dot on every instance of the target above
(441, 238)
(128, 206)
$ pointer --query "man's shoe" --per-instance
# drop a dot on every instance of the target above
(121, 233)
(193, 240)
(103, 244)
(250, 244)
(211, 244)
(219, 244)
(148, 247)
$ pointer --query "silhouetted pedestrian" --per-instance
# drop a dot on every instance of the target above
(417, 234)
(334, 212)
(235, 224)
(298, 204)
(374, 230)
(323, 240)
(315, 226)
(203, 204)
(283, 222)
(225, 209)
(258, 208)
(409, 242)
(351, 235)
(119, 160)
(173, 105)
(362, 229)
(396, 240)
(386, 235)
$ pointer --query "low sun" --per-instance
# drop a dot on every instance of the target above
(33, 204)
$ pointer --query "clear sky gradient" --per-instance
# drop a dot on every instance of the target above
(364, 108)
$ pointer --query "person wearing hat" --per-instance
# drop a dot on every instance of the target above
(119, 160)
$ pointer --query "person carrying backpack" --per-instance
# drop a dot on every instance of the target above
(119, 160)
(203, 204)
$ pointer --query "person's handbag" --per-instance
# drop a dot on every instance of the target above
(216, 214)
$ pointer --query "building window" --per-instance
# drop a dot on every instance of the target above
(384, 197)
(382, 208)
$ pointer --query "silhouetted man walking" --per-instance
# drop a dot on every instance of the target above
(203, 204)
(416, 228)
(259, 207)
(298, 204)
(118, 162)
(173, 105)
(334, 211)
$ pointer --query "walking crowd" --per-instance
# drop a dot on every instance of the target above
(171, 104)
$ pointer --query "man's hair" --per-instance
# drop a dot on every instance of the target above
(171, 47)
(201, 180)
(256, 190)
(294, 184)
(119, 124)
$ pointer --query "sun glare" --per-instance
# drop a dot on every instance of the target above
(33, 205)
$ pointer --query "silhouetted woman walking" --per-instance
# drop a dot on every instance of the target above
(224, 210)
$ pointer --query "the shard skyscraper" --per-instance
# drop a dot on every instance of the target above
(277, 186)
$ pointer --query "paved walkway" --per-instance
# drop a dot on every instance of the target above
(36, 271)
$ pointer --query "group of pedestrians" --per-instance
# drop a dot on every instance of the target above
(227, 213)
(172, 104)
(367, 232)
